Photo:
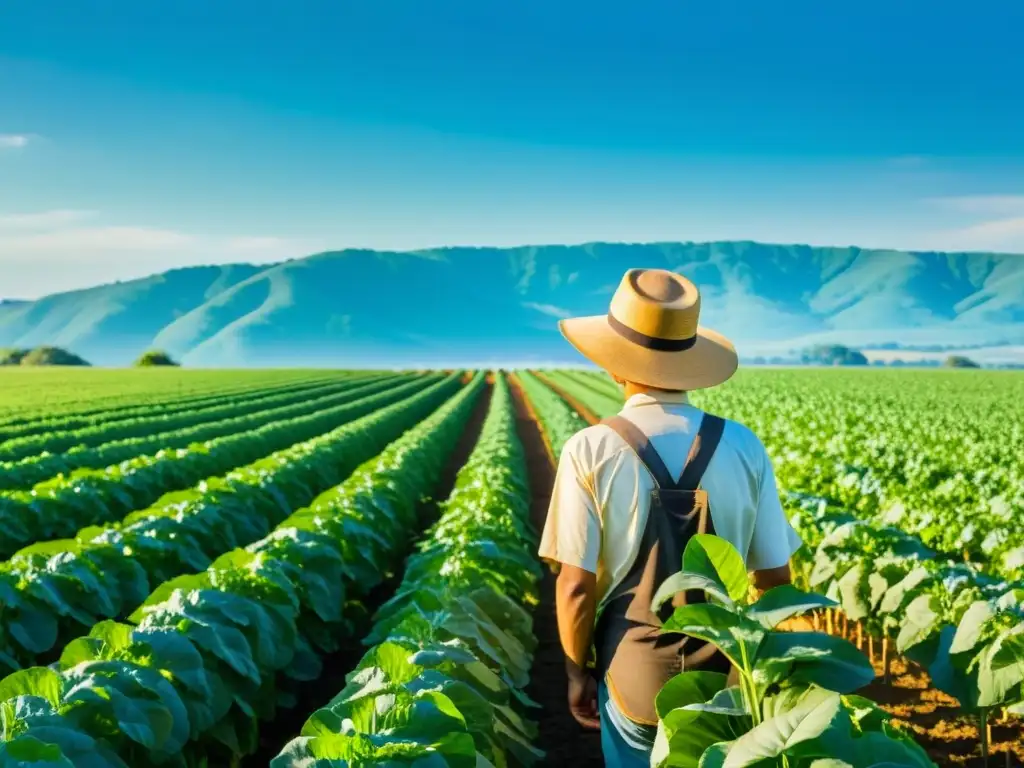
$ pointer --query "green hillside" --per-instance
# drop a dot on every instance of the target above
(478, 305)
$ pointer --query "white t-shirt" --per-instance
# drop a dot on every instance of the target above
(601, 498)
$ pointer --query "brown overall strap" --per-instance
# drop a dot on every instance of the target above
(641, 445)
(704, 444)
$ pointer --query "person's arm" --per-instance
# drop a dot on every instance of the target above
(576, 606)
(774, 540)
(772, 577)
(572, 540)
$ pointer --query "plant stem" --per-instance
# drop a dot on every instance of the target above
(748, 688)
(986, 734)
(750, 694)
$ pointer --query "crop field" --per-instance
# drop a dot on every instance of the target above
(225, 569)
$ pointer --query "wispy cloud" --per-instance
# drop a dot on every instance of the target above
(14, 140)
(80, 240)
(548, 309)
(50, 251)
(44, 220)
(984, 205)
(996, 234)
(998, 225)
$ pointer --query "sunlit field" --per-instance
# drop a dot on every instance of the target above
(235, 566)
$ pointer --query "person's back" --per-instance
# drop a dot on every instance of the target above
(739, 482)
(630, 493)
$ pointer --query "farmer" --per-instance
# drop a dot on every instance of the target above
(630, 493)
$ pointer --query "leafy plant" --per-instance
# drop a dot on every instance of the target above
(793, 705)
(966, 629)
(558, 420)
(56, 589)
(213, 653)
(62, 505)
(443, 681)
(37, 457)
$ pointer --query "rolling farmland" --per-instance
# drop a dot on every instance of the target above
(299, 568)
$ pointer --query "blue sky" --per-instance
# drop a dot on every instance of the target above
(136, 136)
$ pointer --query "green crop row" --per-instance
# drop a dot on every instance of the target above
(557, 418)
(158, 429)
(249, 416)
(53, 591)
(100, 396)
(598, 393)
(963, 626)
(451, 651)
(210, 655)
(61, 506)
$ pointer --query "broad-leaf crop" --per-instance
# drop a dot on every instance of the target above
(792, 702)
(442, 684)
(228, 641)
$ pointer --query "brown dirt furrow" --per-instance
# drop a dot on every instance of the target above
(561, 737)
(936, 723)
(318, 693)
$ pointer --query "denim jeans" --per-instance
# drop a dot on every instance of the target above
(625, 744)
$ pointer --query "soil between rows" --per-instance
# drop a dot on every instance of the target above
(935, 721)
(562, 738)
(318, 693)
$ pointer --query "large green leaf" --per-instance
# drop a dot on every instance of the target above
(688, 688)
(736, 636)
(683, 581)
(36, 681)
(784, 602)
(921, 620)
(33, 627)
(854, 589)
(812, 658)
(684, 734)
(29, 751)
(972, 626)
(1001, 670)
(898, 592)
(816, 726)
(717, 559)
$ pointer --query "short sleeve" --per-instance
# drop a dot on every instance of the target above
(572, 531)
(774, 541)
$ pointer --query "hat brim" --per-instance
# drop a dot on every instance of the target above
(711, 361)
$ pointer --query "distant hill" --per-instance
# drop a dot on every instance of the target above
(493, 305)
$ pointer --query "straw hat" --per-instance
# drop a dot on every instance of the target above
(650, 335)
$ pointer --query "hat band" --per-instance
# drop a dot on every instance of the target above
(650, 342)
